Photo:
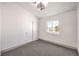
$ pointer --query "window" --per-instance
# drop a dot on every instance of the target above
(53, 26)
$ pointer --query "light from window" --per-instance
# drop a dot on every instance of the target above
(53, 26)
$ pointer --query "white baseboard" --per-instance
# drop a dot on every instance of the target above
(60, 44)
(9, 49)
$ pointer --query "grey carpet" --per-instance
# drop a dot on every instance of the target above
(40, 48)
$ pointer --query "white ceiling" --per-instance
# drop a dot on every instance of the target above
(51, 9)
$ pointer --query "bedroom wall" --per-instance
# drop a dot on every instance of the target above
(68, 29)
(78, 28)
(17, 26)
(0, 28)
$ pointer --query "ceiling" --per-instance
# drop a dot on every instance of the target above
(51, 9)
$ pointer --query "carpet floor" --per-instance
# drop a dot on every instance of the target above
(40, 48)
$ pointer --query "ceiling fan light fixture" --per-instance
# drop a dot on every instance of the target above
(41, 5)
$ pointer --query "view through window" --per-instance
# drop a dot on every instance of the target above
(53, 26)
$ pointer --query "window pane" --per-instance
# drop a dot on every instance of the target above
(53, 26)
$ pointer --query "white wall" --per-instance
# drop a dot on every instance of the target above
(78, 28)
(68, 28)
(0, 28)
(16, 26)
